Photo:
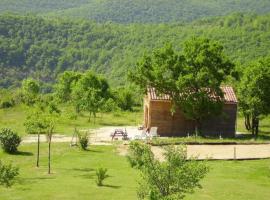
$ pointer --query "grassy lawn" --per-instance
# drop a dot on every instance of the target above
(14, 118)
(74, 176)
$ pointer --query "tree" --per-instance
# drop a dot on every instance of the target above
(167, 180)
(36, 124)
(89, 93)
(30, 90)
(254, 97)
(64, 84)
(192, 79)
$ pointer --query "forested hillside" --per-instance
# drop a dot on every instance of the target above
(139, 11)
(34, 46)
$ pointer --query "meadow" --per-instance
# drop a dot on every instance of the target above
(14, 118)
(73, 176)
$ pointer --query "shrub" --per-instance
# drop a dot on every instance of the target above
(6, 104)
(101, 175)
(83, 140)
(137, 154)
(170, 179)
(7, 174)
(9, 140)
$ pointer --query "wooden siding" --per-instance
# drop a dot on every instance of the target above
(159, 115)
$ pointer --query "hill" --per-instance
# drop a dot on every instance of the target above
(136, 11)
(39, 47)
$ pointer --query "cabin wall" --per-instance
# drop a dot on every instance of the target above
(159, 114)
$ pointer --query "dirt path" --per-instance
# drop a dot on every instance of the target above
(101, 136)
(216, 152)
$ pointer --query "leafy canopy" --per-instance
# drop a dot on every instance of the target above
(167, 180)
(191, 78)
(254, 90)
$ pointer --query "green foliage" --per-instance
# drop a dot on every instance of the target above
(110, 106)
(170, 179)
(101, 174)
(30, 91)
(192, 78)
(254, 94)
(125, 98)
(64, 84)
(9, 140)
(35, 123)
(136, 154)
(89, 93)
(135, 11)
(83, 140)
(43, 48)
(7, 174)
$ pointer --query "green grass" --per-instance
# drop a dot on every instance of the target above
(14, 118)
(236, 180)
(74, 176)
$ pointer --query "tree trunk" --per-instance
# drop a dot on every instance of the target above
(247, 122)
(256, 127)
(89, 119)
(253, 125)
(49, 157)
(38, 149)
(197, 128)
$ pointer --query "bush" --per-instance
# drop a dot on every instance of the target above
(101, 175)
(7, 174)
(9, 140)
(6, 104)
(83, 140)
(110, 105)
(137, 154)
(171, 178)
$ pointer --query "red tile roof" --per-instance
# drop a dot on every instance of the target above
(229, 95)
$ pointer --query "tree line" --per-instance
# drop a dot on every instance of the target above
(136, 11)
(42, 48)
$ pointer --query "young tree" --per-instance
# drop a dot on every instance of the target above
(36, 124)
(254, 94)
(167, 180)
(192, 79)
(30, 90)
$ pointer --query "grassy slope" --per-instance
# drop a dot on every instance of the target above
(74, 177)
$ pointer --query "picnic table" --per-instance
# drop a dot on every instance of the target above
(119, 132)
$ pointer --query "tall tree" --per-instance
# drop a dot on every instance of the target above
(89, 93)
(64, 84)
(192, 78)
(254, 94)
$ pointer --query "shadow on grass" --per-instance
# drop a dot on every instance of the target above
(93, 150)
(83, 169)
(22, 153)
(33, 180)
(250, 137)
(111, 186)
(112, 124)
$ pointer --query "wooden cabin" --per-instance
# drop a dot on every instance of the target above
(157, 113)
